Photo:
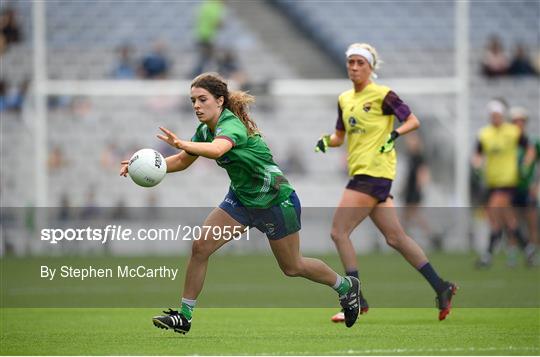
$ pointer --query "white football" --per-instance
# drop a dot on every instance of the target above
(147, 167)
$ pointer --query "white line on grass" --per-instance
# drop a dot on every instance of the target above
(408, 351)
(442, 350)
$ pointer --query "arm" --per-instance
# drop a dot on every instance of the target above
(393, 105)
(530, 156)
(179, 162)
(410, 124)
(337, 139)
(333, 140)
(213, 150)
(478, 158)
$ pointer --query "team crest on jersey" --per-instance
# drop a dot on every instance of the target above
(270, 228)
(367, 107)
(352, 121)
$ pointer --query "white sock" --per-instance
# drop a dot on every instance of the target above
(189, 302)
(339, 279)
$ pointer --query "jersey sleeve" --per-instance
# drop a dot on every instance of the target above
(392, 104)
(232, 130)
(339, 121)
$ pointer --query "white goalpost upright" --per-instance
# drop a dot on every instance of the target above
(40, 104)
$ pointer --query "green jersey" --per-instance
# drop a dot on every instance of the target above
(527, 178)
(255, 178)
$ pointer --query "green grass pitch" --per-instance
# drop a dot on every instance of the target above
(249, 308)
(288, 331)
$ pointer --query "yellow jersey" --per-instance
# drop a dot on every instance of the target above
(500, 146)
(367, 117)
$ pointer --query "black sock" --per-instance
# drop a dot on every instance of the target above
(352, 273)
(494, 237)
(355, 274)
(433, 279)
(520, 238)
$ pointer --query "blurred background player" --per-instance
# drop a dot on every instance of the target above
(366, 118)
(526, 197)
(417, 179)
(259, 196)
(209, 21)
(497, 154)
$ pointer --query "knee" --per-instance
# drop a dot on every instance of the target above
(338, 234)
(200, 250)
(393, 239)
(292, 270)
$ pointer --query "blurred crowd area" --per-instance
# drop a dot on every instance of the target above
(89, 136)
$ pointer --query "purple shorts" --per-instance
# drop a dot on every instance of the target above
(509, 190)
(377, 187)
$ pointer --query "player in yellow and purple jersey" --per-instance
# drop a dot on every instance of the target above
(259, 196)
(366, 121)
(497, 154)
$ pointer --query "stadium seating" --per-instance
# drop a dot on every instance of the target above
(81, 42)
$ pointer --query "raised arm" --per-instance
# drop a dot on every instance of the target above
(212, 150)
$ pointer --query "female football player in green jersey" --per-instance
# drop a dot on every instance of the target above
(366, 119)
(259, 196)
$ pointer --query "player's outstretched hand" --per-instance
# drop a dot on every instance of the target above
(124, 168)
(169, 137)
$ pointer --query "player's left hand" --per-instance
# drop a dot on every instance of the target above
(390, 142)
(170, 138)
(323, 143)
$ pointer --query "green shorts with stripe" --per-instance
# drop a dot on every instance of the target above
(276, 222)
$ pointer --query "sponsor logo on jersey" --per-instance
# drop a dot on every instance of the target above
(367, 107)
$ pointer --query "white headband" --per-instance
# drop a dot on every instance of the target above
(495, 106)
(361, 52)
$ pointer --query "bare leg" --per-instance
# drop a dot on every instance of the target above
(496, 204)
(292, 263)
(353, 208)
(531, 214)
(385, 218)
(203, 248)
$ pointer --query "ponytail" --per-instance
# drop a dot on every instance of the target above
(238, 103)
